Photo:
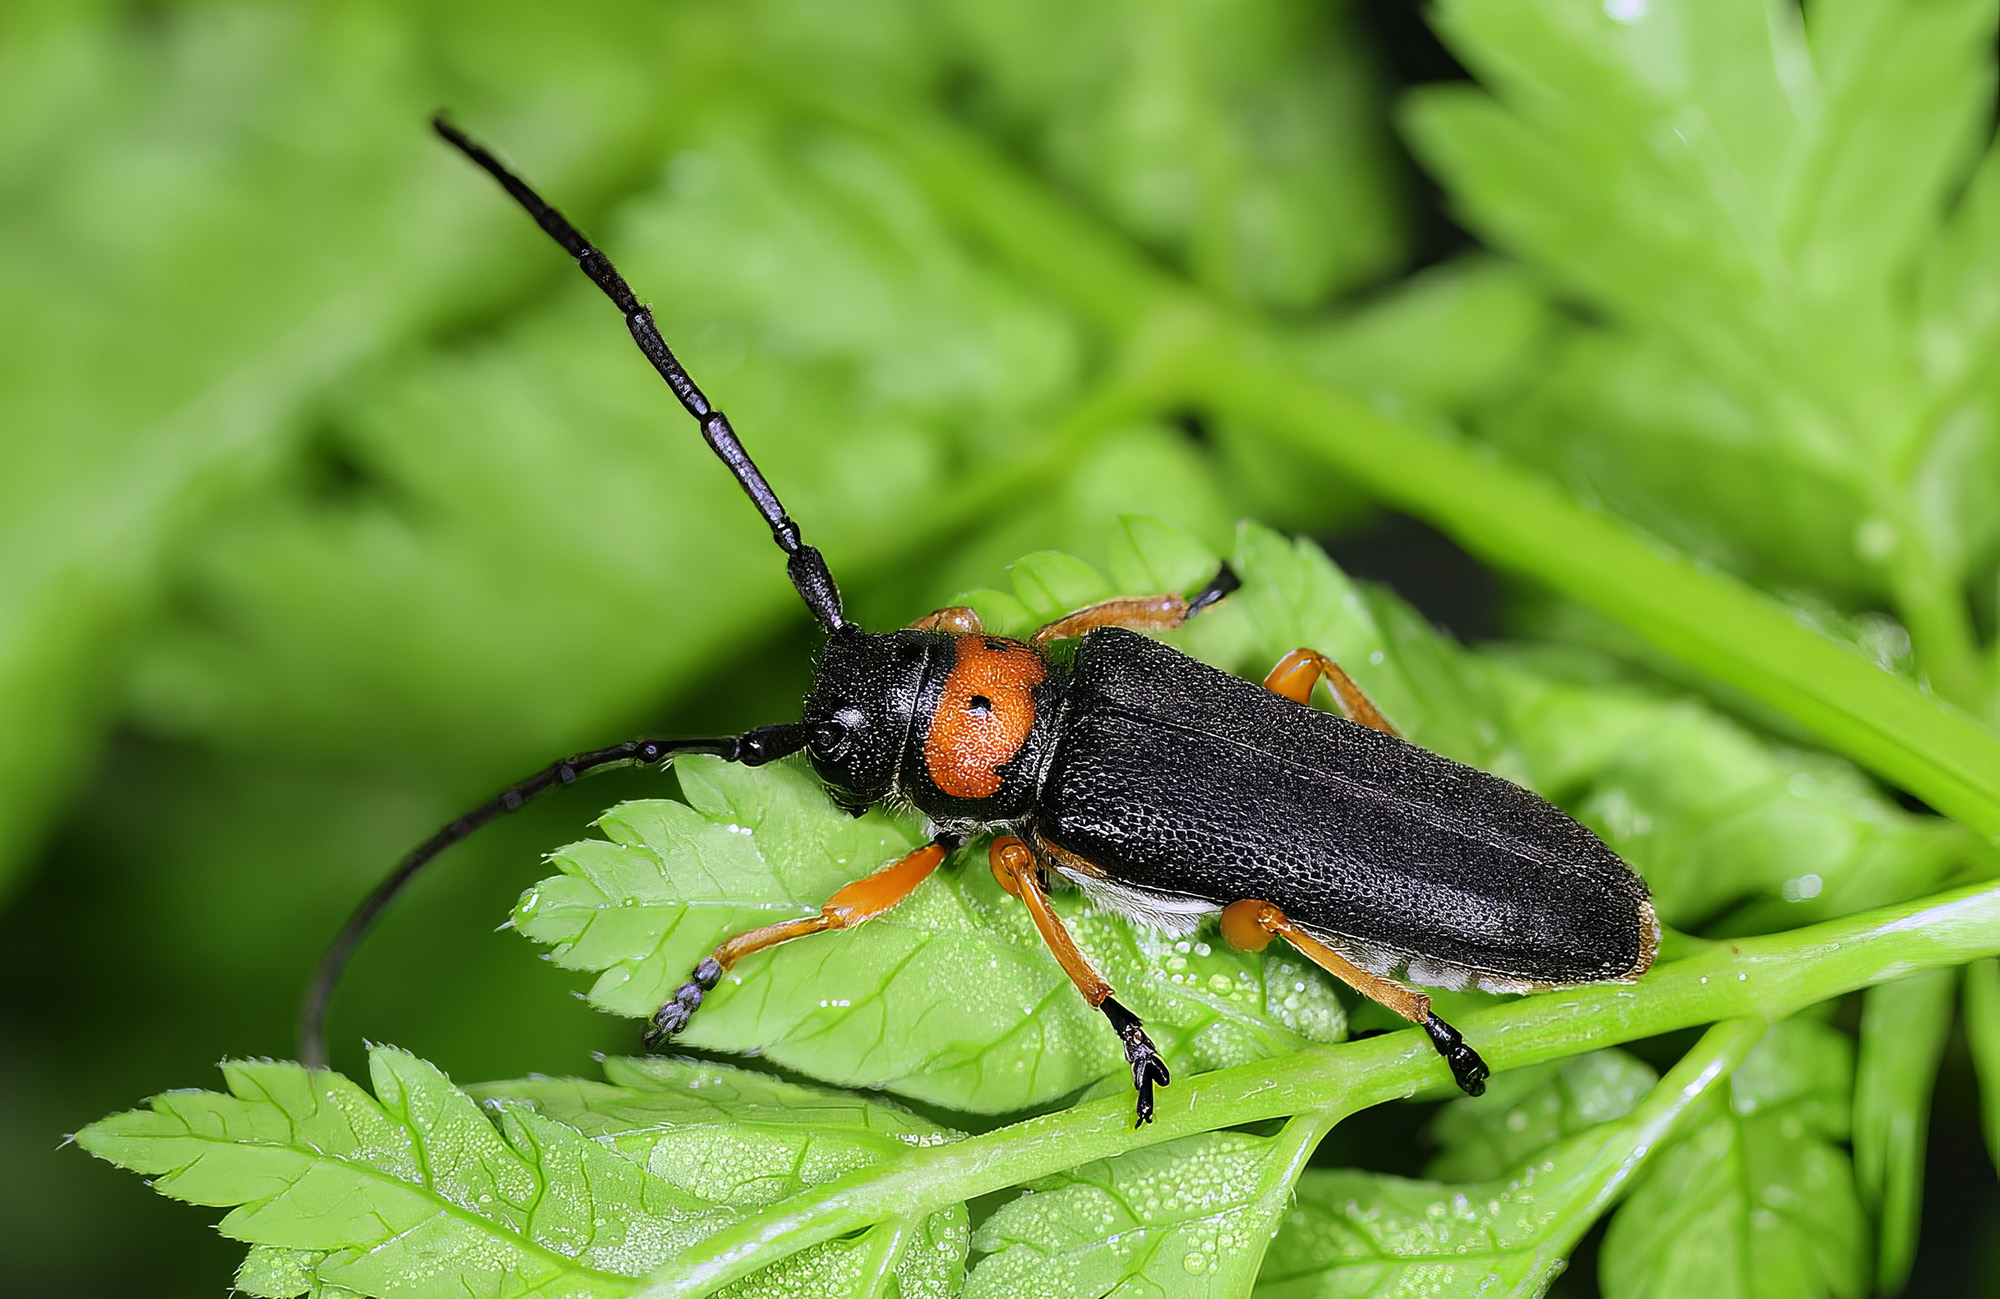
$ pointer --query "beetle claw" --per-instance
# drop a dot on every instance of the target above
(1148, 1066)
(1467, 1069)
(671, 1018)
(674, 1016)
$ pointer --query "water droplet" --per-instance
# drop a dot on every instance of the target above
(1875, 539)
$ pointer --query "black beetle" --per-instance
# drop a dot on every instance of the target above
(1165, 789)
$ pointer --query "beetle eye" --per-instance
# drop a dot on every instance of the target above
(830, 739)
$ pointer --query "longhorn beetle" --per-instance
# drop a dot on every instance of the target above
(1165, 789)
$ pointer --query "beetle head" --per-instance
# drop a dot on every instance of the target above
(860, 710)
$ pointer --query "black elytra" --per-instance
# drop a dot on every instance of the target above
(1164, 788)
(1349, 831)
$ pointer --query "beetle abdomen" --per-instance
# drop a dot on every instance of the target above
(1172, 777)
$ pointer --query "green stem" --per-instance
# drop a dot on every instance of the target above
(1290, 1149)
(1934, 610)
(1508, 517)
(887, 1244)
(1931, 600)
(1658, 1120)
(1761, 979)
(1982, 1036)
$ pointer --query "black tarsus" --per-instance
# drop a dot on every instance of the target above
(1224, 582)
(672, 1017)
(804, 565)
(753, 748)
(1148, 1067)
(1467, 1069)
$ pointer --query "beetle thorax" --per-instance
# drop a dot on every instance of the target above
(982, 716)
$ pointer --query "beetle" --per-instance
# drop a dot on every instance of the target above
(1165, 789)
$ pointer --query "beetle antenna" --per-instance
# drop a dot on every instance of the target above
(752, 749)
(803, 563)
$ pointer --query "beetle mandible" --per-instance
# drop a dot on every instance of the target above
(1165, 789)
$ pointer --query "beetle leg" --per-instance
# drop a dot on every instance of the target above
(1014, 865)
(1251, 924)
(1300, 670)
(862, 900)
(1141, 613)
(956, 619)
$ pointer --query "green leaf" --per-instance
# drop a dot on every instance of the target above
(1294, 596)
(1359, 1233)
(1627, 424)
(1753, 978)
(1526, 1111)
(1440, 345)
(1958, 327)
(272, 1272)
(645, 1100)
(1187, 1218)
(1152, 555)
(1760, 1182)
(1049, 584)
(951, 997)
(313, 1163)
(548, 1187)
(1907, 98)
(1742, 199)
(749, 1140)
(1246, 141)
(1726, 827)
(1903, 1031)
(193, 263)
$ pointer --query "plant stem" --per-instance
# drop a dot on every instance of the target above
(1657, 1121)
(1982, 1036)
(1762, 979)
(1939, 621)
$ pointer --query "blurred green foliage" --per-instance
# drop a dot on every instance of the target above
(1790, 281)
(335, 499)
